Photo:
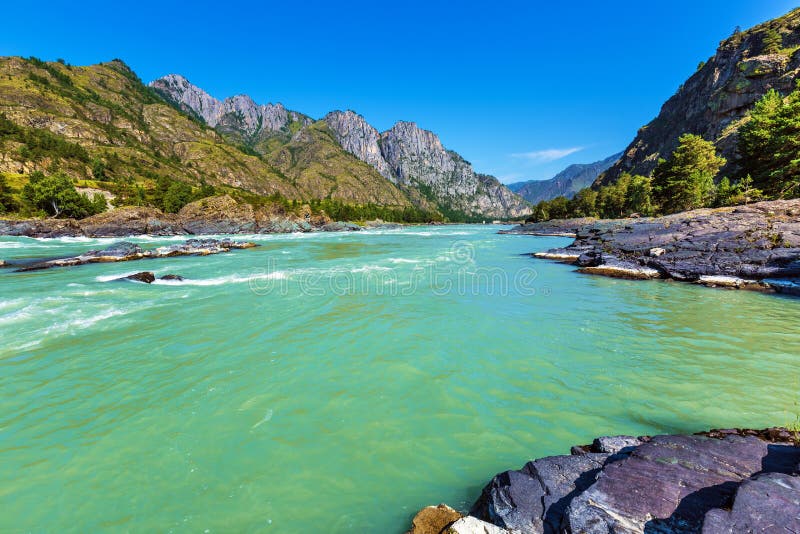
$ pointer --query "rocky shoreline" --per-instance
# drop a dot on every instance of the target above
(717, 482)
(744, 247)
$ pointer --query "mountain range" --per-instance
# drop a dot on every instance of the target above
(137, 134)
(566, 183)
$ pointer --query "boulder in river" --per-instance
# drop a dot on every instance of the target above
(145, 277)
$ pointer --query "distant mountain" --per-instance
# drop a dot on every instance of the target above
(715, 100)
(407, 157)
(566, 183)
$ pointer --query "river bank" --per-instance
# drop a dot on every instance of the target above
(716, 482)
(745, 247)
(217, 215)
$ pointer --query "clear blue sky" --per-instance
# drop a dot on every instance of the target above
(521, 89)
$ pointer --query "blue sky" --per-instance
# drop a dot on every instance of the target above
(520, 89)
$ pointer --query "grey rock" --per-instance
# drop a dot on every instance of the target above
(767, 503)
(615, 444)
(172, 278)
(534, 498)
(752, 243)
(666, 485)
(341, 227)
(125, 251)
(473, 525)
(238, 114)
(714, 98)
(359, 138)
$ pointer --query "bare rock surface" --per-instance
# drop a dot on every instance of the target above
(744, 247)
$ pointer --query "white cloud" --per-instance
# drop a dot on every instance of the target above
(547, 155)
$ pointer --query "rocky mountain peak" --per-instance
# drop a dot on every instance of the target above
(359, 138)
(239, 114)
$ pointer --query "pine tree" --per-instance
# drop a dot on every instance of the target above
(686, 181)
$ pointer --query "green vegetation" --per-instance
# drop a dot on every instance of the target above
(56, 196)
(7, 202)
(686, 181)
(340, 211)
(770, 145)
(38, 143)
(771, 42)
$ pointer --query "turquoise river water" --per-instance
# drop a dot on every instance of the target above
(339, 382)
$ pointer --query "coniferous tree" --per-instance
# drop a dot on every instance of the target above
(686, 180)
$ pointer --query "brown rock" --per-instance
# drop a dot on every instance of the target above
(434, 520)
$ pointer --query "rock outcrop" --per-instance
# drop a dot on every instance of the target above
(755, 246)
(359, 138)
(125, 251)
(715, 99)
(719, 482)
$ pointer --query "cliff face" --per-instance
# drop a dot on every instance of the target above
(239, 117)
(359, 138)
(715, 100)
(416, 159)
(409, 157)
(566, 183)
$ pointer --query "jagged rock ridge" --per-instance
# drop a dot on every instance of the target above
(237, 114)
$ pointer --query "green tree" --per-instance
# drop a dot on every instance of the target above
(584, 204)
(177, 196)
(559, 208)
(56, 196)
(769, 144)
(686, 181)
(7, 203)
(639, 196)
(612, 199)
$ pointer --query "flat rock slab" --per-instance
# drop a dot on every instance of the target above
(125, 251)
(767, 503)
(666, 485)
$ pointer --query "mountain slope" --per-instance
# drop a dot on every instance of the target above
(716, 99)
(119, 124)
(412, 159)
(566, 183)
